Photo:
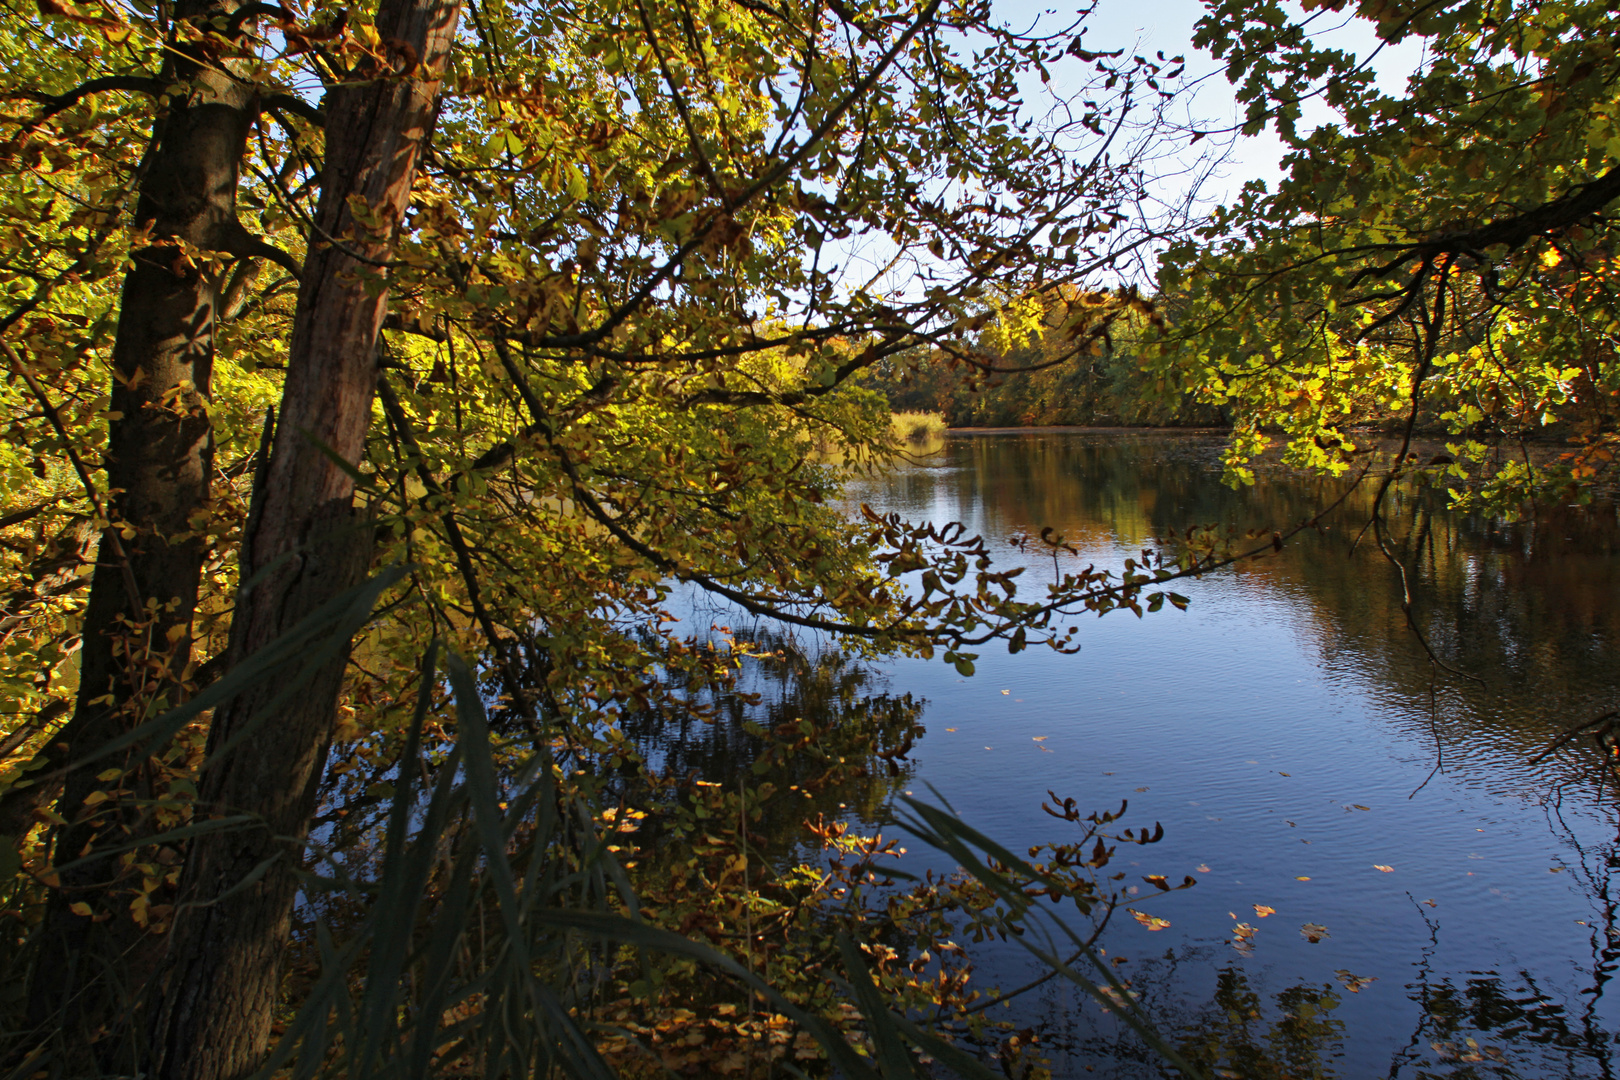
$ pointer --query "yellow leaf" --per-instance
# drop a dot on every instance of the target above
(1262, 910)
(81, 908)
(1385, 869)
(1152, 922)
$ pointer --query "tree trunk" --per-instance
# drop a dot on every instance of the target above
(305, 542)
(158, 463)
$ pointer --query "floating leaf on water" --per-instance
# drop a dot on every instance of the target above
(950, 729)
(1358, 806)
(1004, 693)
(1152, 922)
(1141, 789)
(1302, 879)
(1243, 931)
(1262, 910)
(1385, 869)
(1038, 738)
(1354, 983)
(1431, 903)
(1313, 932)
(1202, 868)
(1285, 774)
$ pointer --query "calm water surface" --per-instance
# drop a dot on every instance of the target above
(1280, 729)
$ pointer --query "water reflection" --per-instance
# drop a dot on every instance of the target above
(836, 706)
(1530, 603)
(1279, 730)
(1282, 731)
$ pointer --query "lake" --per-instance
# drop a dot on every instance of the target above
(1282, 730)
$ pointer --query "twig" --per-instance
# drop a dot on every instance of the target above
(1571, 734)
(1434, 727)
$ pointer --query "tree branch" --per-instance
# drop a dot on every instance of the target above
(296, 105)
(55, 103)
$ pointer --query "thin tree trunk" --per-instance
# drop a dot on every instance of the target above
(305, 543)
(158, 463)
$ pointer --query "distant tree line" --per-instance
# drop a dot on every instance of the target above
(1027, 372)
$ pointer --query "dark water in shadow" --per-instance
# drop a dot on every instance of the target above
(1278, 730)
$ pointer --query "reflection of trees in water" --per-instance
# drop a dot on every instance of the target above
(1529, 605)
(1480, 1025)
(1240, 1031)
(1489, 1025)
(785, 691)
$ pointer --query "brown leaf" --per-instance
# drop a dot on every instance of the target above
(1152, 922)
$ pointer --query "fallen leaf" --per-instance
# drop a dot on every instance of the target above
(1262, 911)
(1313, 932)
(1385, 869)
(1005, 692)
(1038, 738)
(1358, 806)
(1302, 879)
(1152, 922)
(1284, 774)
(1243, 931)
(1354, 983)
(950, 729)
(1202, 868)
(1141, 789)
(1431, 903)
(1291, 825)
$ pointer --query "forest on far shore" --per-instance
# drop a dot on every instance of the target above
(1046, 385)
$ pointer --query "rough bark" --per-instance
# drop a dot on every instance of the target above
(304, 543)
(158, 462)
